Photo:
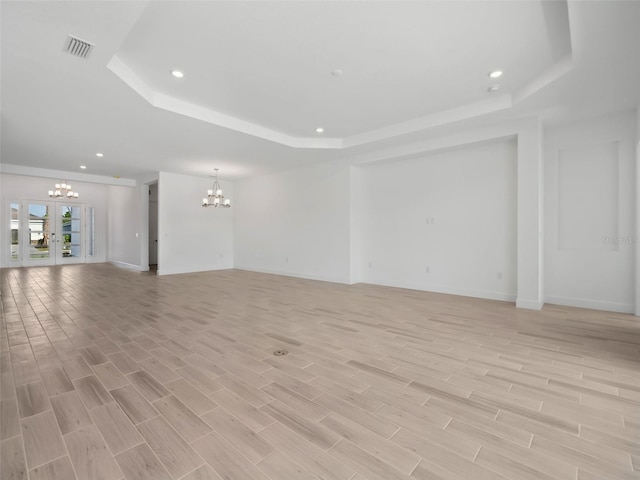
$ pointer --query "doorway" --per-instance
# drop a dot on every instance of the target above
(50, 233)
(153, 227)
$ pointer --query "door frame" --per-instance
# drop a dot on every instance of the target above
(55, 233)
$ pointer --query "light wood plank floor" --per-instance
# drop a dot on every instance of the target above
(109, 374)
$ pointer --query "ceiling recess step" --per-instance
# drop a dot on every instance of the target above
(77, 47)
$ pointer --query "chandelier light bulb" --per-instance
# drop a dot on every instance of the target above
(215, 198)
(63, 189)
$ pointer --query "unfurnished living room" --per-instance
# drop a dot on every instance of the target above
(337, 240)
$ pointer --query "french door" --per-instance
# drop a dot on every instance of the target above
(50, 233)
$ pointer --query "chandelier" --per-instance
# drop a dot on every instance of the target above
(63, 190)
(214, 195)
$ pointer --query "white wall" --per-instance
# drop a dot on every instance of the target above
(356, 239)
(453, 213)
(125, 227)
(530, 201)
(637, 237)
(24, 187)
(295, 223)
(192, 238)
(590, 208)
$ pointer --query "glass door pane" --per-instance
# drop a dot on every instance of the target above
(15, 231)
(70, 234)
(91, 231)
(49, 233)
(40, 246)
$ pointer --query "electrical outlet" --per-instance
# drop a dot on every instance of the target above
(499, 275)
(370, 264)
(427, 269)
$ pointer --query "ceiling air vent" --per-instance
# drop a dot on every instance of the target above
(77, 47)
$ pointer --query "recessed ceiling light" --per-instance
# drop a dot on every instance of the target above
(495, 74)
(99, 154)
(83, 167)
(319, 129)
(494, 88)
(337, 72)
(177, 73)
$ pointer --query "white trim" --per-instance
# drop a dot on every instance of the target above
(461, 292)
(591, 304)
(445, 117)
(182, 272)
(529, 304)
(487, 295)
(637, 246)
(320, 278)
(449, 116)
(176, 105)
(129, 266)
(59, 174)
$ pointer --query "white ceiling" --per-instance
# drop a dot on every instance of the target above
(258, 77)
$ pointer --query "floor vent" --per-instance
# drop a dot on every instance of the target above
(78, 48)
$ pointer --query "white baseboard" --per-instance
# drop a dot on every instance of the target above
(129, 266)
(591, 304)
(486, 294)
(197, 270)
(529, 304)
(320, 278)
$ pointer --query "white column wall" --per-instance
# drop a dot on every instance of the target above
(637, 237)
(125, 227)
(192, 238)
(591, 210)
(356, 232)
(530, 217)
